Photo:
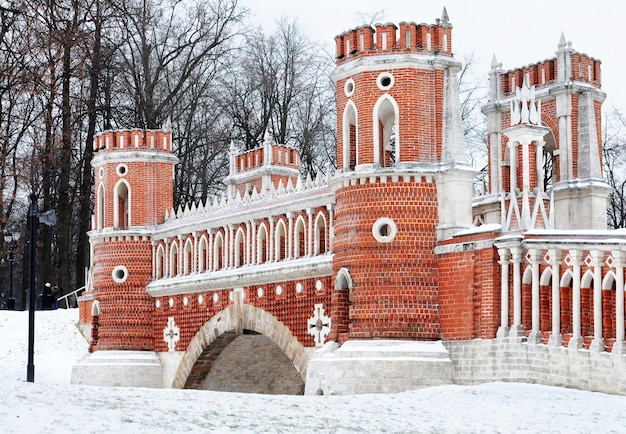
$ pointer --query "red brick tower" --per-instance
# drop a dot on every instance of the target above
(134, 188)
(402, 183)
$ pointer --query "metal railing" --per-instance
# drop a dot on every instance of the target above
(71, 299)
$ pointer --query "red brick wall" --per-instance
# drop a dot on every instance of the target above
(395, 291)
(420, 130)
(126, 319)
(291, 308)
(469, 292)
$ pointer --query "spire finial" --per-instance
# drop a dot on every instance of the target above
(562, 42)
(494, 62)
(445, 19)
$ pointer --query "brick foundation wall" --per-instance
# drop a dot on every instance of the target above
(469, 287)
(126, 319)
(395, 291)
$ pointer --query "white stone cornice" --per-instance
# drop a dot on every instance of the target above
(263, 274)
(133, 156)
(394, 61)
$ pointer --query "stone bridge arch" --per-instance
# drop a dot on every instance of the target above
(219, 331)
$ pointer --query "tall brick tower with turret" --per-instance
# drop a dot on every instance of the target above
(403, 181)
(403, 184)
(133, 191)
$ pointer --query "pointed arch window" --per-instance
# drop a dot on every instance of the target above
(218, 252)
(160, 262)
(550, 162)
(320, 234)
(350, 136)
(262, 245)
(240, 248)
(100, 210)
(122, 205)
(188, 257)
(174, 259)
(386, 132)
(299, 239)
(281, 241)
(202, 255)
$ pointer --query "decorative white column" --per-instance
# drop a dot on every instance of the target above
(597, 344)
(194, 266)
(210, 250)
(505, 257)
(253, 242)
(513, 167)
(535, 333)
(517, 329)
(271, 256)
(539, 167)
(331, 228)
(576, 342)
(556, 339)
(166, 258)
(154, 259)
(181, 253)
(248, 243)
(309, 246)
(618, 346)
(231, 245)
(289, 253)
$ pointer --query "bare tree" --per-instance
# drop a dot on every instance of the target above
(169, 44)
(281, 84)
(614, 162)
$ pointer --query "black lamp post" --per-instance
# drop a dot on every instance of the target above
(34, 218)
(11, 239)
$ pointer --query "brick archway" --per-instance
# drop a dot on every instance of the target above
(223, 327)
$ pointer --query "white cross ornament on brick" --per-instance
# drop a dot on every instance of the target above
(171, 334)
(319, 325)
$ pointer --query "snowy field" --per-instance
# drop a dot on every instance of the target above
(52, 405)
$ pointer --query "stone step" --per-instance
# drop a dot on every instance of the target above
(383, 349)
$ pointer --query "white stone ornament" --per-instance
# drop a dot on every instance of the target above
(524, 107)
(171, 334)
(319, 325)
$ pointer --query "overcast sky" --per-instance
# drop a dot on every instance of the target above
(518, 33)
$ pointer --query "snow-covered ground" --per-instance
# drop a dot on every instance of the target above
(52, 405)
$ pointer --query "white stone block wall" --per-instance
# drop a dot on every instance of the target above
(481, 361)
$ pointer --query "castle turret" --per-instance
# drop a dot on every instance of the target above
(560, 169)
(261, 168)
(403, 181)
(133, 191)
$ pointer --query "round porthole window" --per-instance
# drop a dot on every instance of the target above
(384, 230)
(121, 169)
(260, 292)
(119, 274)
(348, 88)
(384, 81)
(101, 172)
